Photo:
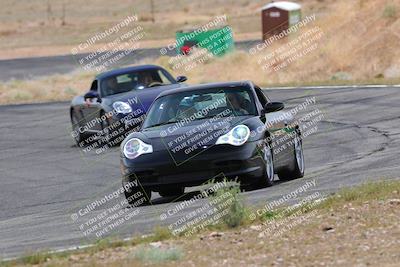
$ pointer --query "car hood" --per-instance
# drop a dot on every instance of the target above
(140, 99)
(204, 132)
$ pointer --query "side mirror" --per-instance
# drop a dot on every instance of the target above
(181, 79)
(91, 95)
(273, 106)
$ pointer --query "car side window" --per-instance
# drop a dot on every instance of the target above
(93, 87)
(162, 77)
(261, 97)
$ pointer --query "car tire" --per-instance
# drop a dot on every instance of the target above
(134, 202)
(106, 130)
(79, 137)
(267, 178)
(172, 192)
(298, 166)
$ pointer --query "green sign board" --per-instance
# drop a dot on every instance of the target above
(217, 41)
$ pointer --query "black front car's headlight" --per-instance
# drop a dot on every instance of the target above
(236, 137)
(135, 147)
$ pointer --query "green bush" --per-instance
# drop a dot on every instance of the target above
(236, 210)
(158, 255)
(161, 233)
(390, 11)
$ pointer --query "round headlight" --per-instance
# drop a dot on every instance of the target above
(136, 147)
(240, 132)
(132, 147)
(122, 107)
(237, 136)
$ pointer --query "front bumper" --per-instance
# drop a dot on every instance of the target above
(160, 168)
(122, 125)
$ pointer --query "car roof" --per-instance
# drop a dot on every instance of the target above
(205, 87)
(125, 70)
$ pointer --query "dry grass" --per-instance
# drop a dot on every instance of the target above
(356, 227)
(357, 42)
(65, 87)
(359, 45)
(45, 89)
(28, 29)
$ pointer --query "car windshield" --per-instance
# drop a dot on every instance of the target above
(136, 80)
(200, 104)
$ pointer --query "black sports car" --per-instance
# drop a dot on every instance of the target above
(117, 101)
(193, 134)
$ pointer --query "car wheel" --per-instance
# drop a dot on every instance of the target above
(79, 137)
(298, 166)
(135, 199)
(268, 177)
(172, 192)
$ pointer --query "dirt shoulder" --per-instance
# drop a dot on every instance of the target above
(356, 227)
(365, 234)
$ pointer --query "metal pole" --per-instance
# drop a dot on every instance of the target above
(152, 11)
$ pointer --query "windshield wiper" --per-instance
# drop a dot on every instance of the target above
(162, 123)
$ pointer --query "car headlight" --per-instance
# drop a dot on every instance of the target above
(136, 147)
(122, 107)
(237, 136)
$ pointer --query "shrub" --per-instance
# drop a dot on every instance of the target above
(236, 209)
(161, 233)
(36, 258)
(158, 255)
(390, 11)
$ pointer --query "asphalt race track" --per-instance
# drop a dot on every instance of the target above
(45, 178)
(33, 67)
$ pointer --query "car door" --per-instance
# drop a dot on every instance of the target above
(92, 108)
(276, 123)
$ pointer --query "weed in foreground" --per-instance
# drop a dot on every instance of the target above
(158, 255)
(236, 209)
